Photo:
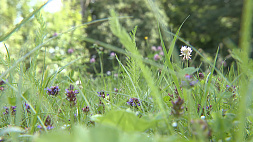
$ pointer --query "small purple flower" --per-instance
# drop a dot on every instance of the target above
(47, 123)
(13, 110)
(153, 48)
(39, 126)
(70, 51)
(108, 73)
(27, 107)
(161, 53)
(116, 90)
(134, 102)
(112, 55)
(55, 34)
(189, 81)
(177, 107)
(192, 83)
(50, 127)
(159, 48)
(102, 94)
(71, 95)
(188, 77)
(53, 90)
(231, 89)
(201, 75)
(1, 84)
(92, 60)
(6, 110)
(207, 109)
(157, 57)
(86, 109)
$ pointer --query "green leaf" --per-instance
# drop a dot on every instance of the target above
(12, 101)
(5, 36)
(125, 120)
(104, 134)
(11, 129)
(167, 99)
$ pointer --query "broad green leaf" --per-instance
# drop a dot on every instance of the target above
(127, 121)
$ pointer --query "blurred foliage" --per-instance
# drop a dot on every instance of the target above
(211, 24)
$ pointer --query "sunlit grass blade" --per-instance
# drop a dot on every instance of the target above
(245, 65)
(7, 35)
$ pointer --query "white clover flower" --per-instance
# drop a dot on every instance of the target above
(186, 52)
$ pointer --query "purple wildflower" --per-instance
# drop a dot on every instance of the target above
(102, 94)
(159, 48)
(161, 53)
(1, 84)
(55, 34)
(27, 107)
(47, 123)
(231, 89)
(207, 109)
(177, 107)
(53, 90)
(201, 76)
(70, 51)
(86, 109)
(13, 110)
(153, 48)
(112, 55)
(189, 81)
(133, 102)
(71, 95)
(92, 60)
(157, 57)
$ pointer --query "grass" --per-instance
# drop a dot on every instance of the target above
(145, 101)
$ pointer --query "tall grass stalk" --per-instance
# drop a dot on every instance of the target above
(245, 94)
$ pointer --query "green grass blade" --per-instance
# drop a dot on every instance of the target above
(168, 56)
(207, 85)
(8, 34)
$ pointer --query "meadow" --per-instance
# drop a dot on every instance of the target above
(156, 96)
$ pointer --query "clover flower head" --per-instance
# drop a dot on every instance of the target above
(92, 60)
(70, 50)
(153, 48)
(157, 57)
(159, 48)
(186, 52)
(161, 53)
(112, 54)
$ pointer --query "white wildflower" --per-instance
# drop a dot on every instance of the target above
(186, 52)
(202, 117)
(174, 124)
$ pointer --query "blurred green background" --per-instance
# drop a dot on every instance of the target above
(212, 23)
